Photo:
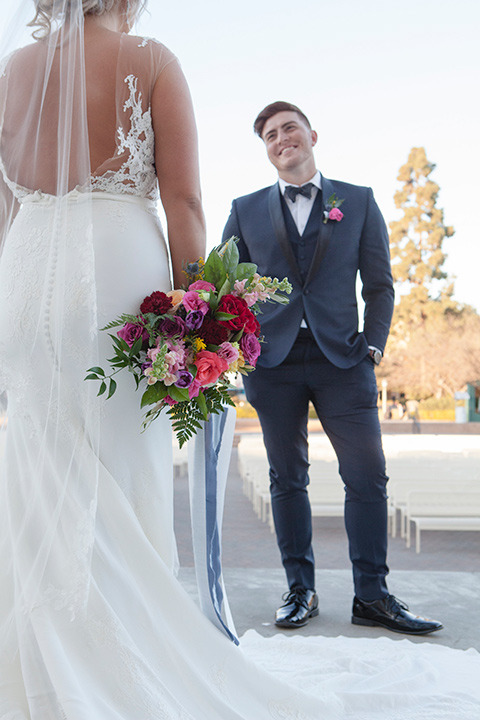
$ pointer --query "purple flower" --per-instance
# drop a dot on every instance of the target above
(184, 379)
(146, 365)
(194, 319)
(131, 332)
(173, 327)
(250, 348)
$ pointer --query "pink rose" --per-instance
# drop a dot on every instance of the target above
(193, 302)
(209, 367)
(335, 214)
(201, 285)
(229, 352)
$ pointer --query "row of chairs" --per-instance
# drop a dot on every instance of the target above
(428, 493)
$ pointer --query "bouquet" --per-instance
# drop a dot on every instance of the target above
(184, 346)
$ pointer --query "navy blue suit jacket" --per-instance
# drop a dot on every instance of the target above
(327, 298)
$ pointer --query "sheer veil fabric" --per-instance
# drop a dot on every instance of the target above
(93, 623)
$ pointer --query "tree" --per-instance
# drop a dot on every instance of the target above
(434, 344)
(416, 239)
(435, 358)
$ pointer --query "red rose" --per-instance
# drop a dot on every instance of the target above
(244, 318)
(157, 303)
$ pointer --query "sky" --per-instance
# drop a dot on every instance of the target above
(375, 78)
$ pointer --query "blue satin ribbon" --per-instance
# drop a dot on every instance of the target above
(209, 458)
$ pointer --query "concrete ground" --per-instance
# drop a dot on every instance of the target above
(442, 582)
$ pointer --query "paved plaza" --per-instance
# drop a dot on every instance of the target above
(442, 582)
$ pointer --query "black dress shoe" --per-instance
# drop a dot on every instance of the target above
(300, 605)
(392, 614)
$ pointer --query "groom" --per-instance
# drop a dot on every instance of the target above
(321, 233)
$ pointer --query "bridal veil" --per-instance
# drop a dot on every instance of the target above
(48, 163)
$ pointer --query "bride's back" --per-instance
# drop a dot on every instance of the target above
(55, 105)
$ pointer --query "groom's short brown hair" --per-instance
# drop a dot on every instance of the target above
(273, 109)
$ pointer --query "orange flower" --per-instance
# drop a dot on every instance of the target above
(176, 297)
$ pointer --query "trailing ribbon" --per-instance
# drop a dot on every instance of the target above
(208, 461)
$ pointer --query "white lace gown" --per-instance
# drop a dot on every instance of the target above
(142, 650)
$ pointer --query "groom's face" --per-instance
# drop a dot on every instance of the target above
(289, 142)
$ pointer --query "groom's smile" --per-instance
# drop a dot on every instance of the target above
(289, 142)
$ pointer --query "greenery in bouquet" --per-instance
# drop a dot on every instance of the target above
(184, 346)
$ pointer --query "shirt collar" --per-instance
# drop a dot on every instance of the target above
(315, 180)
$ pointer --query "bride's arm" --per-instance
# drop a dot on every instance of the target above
(176, 160)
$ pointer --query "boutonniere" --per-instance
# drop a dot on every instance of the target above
(332, 211)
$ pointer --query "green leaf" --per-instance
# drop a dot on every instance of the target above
(225, 289)
(213, 302)
(97, 370)
(136, 347)
(280, 299)
(224, 316)
(120, 343)
(245, 270)
(92, 377)
(214, 270)
(102, 388)
(153, 394)
(114, 323)
(112, 388)
(230, 256)
(200, 400)
(237, 336)
(179, 394)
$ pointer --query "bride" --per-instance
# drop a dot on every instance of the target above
(94, 122)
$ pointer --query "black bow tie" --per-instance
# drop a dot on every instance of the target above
(291, 191)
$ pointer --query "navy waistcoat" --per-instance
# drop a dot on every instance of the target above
(304, 245)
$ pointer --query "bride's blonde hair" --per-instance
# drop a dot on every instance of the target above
(53, 11)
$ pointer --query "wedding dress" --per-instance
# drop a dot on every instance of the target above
(93, 623)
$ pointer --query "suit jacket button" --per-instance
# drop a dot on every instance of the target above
(306, 292)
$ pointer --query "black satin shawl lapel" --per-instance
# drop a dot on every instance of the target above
(278, 222)
(324, 233)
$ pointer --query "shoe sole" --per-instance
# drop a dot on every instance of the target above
(373, 623)
(292, 626)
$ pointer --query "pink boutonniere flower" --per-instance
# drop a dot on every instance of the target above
(332, 211)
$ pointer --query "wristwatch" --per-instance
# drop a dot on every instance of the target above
(376, 355)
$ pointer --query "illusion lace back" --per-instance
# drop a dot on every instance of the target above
(93, 623)
(118, 116)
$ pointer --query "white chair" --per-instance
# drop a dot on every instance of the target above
(457, 509)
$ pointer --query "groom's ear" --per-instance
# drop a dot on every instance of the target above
(314, 138)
